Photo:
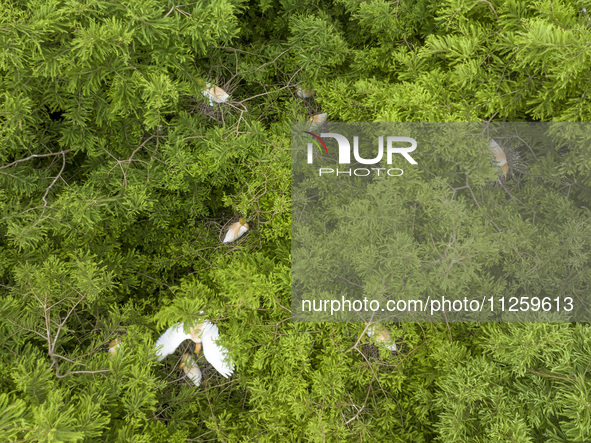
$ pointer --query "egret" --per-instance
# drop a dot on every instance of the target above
(203, 335)
(317, 120)
(215, 94)
(381, 337)
(114, 346)
(304, 93)
(192, 371)
(500, 156)
(236, 231)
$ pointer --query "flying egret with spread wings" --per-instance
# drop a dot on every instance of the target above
(203, 335)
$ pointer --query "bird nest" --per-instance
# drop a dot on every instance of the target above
(373, 352)
(214, 112)
(208, 373)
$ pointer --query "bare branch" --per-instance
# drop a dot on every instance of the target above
(56, 178)
(35, 156)
(79, 372)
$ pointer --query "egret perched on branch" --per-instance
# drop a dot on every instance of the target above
(203, 334)
(381, 337)
(215, 94)
(500, 156)
(236, 231)
(114, 346)
(189, 365)
(317, 120)
(304, 93)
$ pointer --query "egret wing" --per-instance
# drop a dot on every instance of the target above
(232, 233)
(170, 340)
(215, 354)
(242, 231)
(235, 232)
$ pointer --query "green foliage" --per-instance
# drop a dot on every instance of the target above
(118, 180)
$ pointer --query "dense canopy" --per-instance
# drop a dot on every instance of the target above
(119, 179)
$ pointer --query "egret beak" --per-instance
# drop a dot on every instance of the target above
(197, 348)
(182, 365)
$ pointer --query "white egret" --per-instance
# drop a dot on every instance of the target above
(215, 94)
(381, 337)
(317, 120)
(500, 156)
(204, 335)
(236, 231)
(304, 93)
(114, 347)
(192, 371)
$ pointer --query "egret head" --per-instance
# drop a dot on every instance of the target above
(114, 346)
(196, 332)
